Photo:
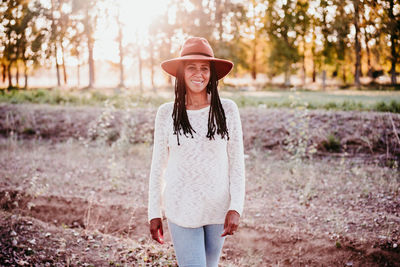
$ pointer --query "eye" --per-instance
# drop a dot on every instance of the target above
(204, 69)
(190, 68)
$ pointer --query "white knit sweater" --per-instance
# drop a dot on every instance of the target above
(198, 181)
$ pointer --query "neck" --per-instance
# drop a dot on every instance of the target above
(196, 99)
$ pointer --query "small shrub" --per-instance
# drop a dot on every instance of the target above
(351, 105)
(99, 97)
(330, 105)
(29, 131)
(394, 106)
(381, 106)
(332, 144)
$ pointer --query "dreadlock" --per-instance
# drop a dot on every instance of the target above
(215, 115)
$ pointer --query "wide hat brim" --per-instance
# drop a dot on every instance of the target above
(222, 66)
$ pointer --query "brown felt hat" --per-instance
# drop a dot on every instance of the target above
(197, 48)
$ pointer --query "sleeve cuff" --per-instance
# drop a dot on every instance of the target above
(237, 208)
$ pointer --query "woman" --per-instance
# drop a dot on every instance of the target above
(197, 170)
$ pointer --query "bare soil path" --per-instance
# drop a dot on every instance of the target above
(78, 198)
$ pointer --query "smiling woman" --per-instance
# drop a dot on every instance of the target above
(197, 173)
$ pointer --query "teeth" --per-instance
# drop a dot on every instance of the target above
(198, 82)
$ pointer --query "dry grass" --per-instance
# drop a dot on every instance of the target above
(330, 199)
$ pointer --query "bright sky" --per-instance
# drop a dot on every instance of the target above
(135, 16)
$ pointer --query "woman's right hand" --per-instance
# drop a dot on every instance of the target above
(156, 230)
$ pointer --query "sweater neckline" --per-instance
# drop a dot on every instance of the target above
(197, 110)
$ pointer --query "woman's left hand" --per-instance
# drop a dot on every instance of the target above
(231, 222)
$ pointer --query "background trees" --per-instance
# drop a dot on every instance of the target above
(346, 40)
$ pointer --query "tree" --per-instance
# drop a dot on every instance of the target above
(302, 27)
(121, 50)
(391, 26)
(53, 40)
(22, 39)
(88, 14)
(31, 39)
(253, 32)
(357, 45)
(341, 30)
(280, 24)
(10, 53)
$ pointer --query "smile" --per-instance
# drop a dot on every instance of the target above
(197, 82)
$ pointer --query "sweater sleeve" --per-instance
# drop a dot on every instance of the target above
(158, 164)
(236, 161)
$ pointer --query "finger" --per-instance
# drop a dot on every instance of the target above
(160, 237)
(154, 234)
(155, 237)
(234, 227)
(225, 233)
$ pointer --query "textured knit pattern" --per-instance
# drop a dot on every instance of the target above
(197, 182)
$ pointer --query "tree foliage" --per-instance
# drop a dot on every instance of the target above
(340, 38)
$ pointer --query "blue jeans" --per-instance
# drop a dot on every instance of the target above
(198, 247)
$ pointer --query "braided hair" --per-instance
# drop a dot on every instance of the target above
(216, 115)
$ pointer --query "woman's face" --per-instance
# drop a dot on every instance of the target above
(197, 75)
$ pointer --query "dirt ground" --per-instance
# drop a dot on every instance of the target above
(77, 195)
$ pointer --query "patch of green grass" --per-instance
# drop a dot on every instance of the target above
(382, 101)
(385, 101)
(80, 98)
(393, 106)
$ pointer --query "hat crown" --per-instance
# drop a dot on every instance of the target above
(197, 46)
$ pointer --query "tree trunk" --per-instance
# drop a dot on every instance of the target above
(152, 66)
(393, 41)
(4, 72)
(57, 68)
(17, 74)
(78, 75)
(53, 30)
(140, 69)
(304, 63)
(314, 72)
(78, 71)
(121, 56)
(167, 46)
(369, 73)
(63, 64)
(393, 61)
(314, 65)
(10, 85)
(324, 80)
(344, 76)
(357, 71)
(287, 75)
(90, 44)
(25, 76)
(254, 60)
(91, 64)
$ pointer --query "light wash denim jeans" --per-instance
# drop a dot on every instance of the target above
(197, 247)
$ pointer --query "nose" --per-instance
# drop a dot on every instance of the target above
(197, 70)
